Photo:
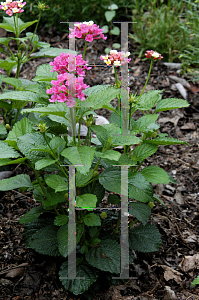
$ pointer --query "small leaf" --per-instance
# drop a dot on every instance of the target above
(115, 31)
(61, 220)
(31, 215)
(148, 100)
(40, 164)
(106, 28)
(86, 201)
(92, 219)
(57, 183)
(165, 141)
(109, 15)
(143, 151)
(116, 45)
(113, 6)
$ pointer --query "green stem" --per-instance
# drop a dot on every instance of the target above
(33, 33)
(116, 82)
(16, 116)
(130, 116)
(96, 165)
(146, 80)
(37, 177)
(85, 49)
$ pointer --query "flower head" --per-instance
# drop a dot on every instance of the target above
(153, 55)
(12, 7)
(115, 58)
(87, 30)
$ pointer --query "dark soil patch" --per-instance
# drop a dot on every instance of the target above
(27, 275)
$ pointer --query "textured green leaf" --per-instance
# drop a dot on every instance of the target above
(76, 155)
(5, 41)
(148, 100)
(113, 199)
(7, 151)
(143, 151)
(95, 89)
(22, 180)
(57, 109)
(99, 191)
(82, 179)
(103, 97)
(20, 96)
(44, 241)
(52, 52)
(144, 238)
(40, 164)
(31, 215)
(3, 130)
(57, 183)
(12, 81)
(140, 210)
(19, 129)
(92, 219)
(143, 122)
(23, 26)
(85, 276)
(111, 154)
(139, 188)
(111, 261)
(166, 141)
(171, 103)
(61, 220)
(7, 64)
(50, 198)
(7, 161)
(155, 174)
(86, 201)
(30, 141)
(101, 133)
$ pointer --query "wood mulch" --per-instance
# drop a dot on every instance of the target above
(166, 274)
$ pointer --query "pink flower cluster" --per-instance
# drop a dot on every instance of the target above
(87, 30)
(115, 58)
(67, 87)
(69, 63)
(12, 7)
(153, 55)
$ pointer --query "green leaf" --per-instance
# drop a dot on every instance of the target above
(23, 26)
(113, 6)
(155, 174)
(7, 161)
(5, 41)
(113, 199)
(40, 164)
(109, 15)
(143, 122)
(61, 220)
(171, 178)
(140, 210)
(30, 141)
(7, 27)
(139, 188)
(143, 151)
(31, 215)
(79, 285)
(165, 141)
(3, 130)
(92, 219)
(196, 281)
(52, 52)
(115, 30)
(7, 151)
(62, 237)
(44, 241)
(13, 81)
(19, 181)
(116, 46)
(111, 261)
(57, 109)
(99, 191)
(106, 29)
(99, 99)
(144, 238)
(20, 96)
(82, 179)
(76, 155)
(148, 100)
(19, 129)
(96, 89)
(110, 154)
(57, 183)
(86, 201)
(7, 64)
(171, 103)
(43, 73)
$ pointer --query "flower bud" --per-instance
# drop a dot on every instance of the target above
(95, 174)
(22, 47)
(19, 55)
(151, 204)
(103, 215)
(7, 126)
(42, 127)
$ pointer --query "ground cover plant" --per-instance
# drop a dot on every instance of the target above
(40, 140)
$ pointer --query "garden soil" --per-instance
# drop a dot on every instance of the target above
(166, 274)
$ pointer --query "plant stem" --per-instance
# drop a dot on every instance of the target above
(85, 49)
(146, 80)
(37, 177)
(130, 116)
(96, 165)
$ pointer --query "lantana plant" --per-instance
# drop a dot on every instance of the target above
(40, 140)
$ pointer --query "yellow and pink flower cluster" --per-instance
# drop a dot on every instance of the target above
(12, 7)
(115, 58)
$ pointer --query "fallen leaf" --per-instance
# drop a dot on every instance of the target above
(169, 294)
(190, 237)
(189, 126)
(189, 263)
(182, 90)
(181, 80)
(178, 198)
(171, 274)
